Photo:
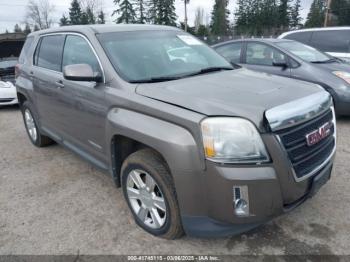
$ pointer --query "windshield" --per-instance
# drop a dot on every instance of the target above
(159, 55)
(304, 52)
(8, 63)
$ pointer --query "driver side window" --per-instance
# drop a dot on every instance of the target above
(261, 54)
(78, 51)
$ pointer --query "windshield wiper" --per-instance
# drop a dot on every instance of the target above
(209, 70)
(171, 78)
(331, 60)
(156, 79)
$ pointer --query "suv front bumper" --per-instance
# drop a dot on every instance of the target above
(265, 199)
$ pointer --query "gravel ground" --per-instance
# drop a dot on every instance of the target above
(52, 202)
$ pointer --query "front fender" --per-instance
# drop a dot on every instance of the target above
(175, 143)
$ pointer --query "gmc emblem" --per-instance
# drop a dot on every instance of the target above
(318, 135)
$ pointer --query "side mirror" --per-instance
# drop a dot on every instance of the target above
(81, 72)
(280, 64)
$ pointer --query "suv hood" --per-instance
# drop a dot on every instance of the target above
(241, 92)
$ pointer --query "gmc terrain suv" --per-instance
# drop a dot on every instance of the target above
(197, 145)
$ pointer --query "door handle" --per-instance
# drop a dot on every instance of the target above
(59, 84)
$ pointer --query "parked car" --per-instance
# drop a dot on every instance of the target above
(333, 40)
(197, 146)
(294, 60)
(8, 94)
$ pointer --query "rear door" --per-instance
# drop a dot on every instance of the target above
(47, 80)
(264, 58)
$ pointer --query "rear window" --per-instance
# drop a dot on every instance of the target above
(337, 41)
(303, 37)
(25, 50)
(49, 52)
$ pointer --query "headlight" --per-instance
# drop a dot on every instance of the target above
(343, 75)
(232, 140)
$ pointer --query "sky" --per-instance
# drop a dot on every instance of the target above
(13, 11)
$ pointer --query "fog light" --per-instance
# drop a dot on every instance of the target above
(241, 201)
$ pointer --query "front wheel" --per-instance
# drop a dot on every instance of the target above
(149, 191)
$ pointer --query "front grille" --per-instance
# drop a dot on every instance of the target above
(6, 100)
(304, 158)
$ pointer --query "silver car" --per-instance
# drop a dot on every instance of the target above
(294, 60)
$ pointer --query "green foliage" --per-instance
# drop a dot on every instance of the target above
(17, 29)
(75, 13)
(64, 21)
(27, 29)
(141, 11)
(202, 31)
(101, 18)
(295, 18)
(266, 17)
(220, 24)
(340, 10)
(162, 12)
(316, 15)
(126, 13)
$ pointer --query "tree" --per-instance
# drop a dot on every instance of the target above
(220, 23)
(284, 14)
(90, 16)
(125, 11)
(64, 21)
(17, 29)
(27, 29)
(199, 18)
(316, 15)
(101, 18)
(340, 12)
(295, 18)
(140, 9)
(36, 28)
(75, 13)
(202, 31)
(167, 14)
(39, 13)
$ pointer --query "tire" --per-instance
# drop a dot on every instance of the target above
(148, 165)
(31, 126)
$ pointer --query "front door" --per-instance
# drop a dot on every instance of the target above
(264, 58)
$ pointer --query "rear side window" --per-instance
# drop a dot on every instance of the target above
(49, 52)
(25, 50)
(303, 37)
(337, 41)
(232, 52)
(261, 54)
(78, 51)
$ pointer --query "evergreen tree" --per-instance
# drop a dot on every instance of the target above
(295, 18)
(126, 12)
(316, 15)
(64, 21)
(220, 22)
(140, 9)
(101, 18)
(75, 13)
(17, 29)
(36, 28)
(340, 10)
(202, 31)
(153, 7)
(284, 14)
(90, 16)
(166, 12)
(27, 29)
(84, 19)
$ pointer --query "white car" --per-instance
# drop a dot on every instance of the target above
(333, 40)
(8, 94)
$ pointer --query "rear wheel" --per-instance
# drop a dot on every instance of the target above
(149, 191)
(32, 129)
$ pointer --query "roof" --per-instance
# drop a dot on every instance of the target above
(105, 28)
(263, 40)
